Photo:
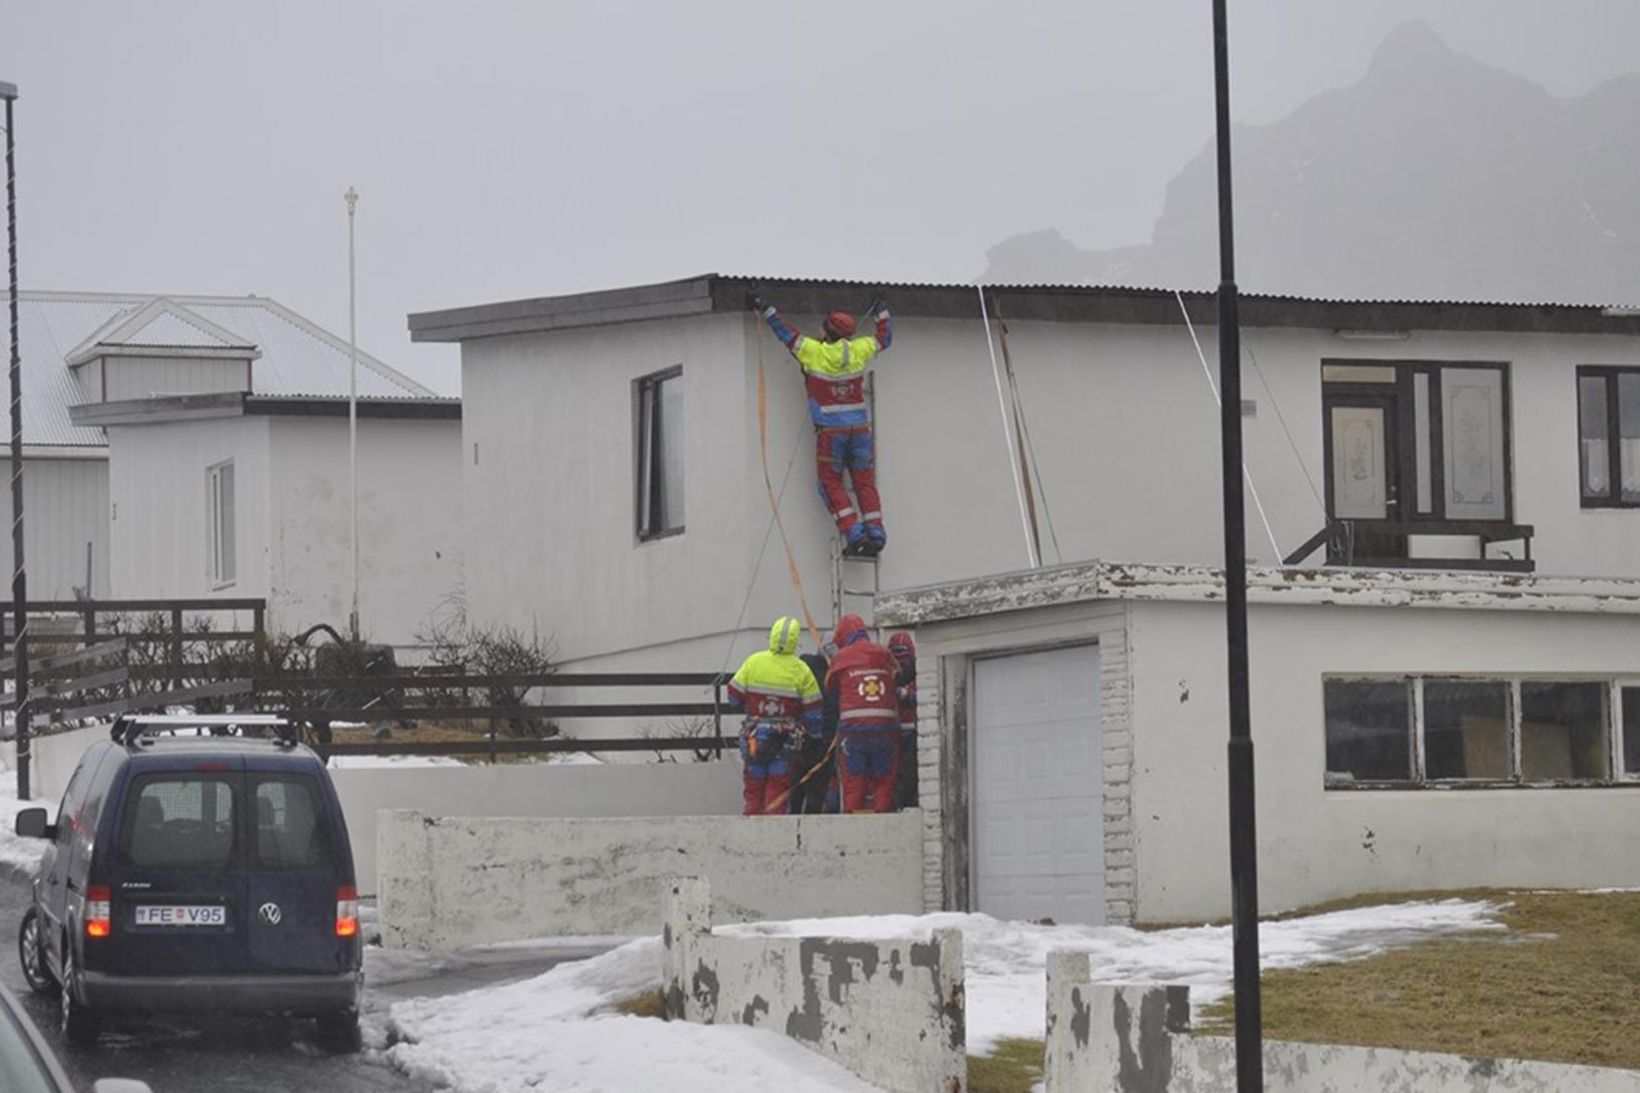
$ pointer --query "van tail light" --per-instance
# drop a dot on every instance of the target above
(347, 911)
(99, 910)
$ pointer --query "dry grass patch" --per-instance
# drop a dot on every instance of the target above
(651, 1003)
(1015, 1067)
(1562, 984)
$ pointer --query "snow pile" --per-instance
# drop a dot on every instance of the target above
(555, 1031)
(18, 852)
(1006, 962)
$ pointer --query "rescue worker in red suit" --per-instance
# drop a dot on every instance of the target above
(868, 718)
(834, 374)
(904, 649)
(781, 701)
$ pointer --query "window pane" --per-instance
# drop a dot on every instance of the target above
(1421, 445)
(226, 574)
(1466, 729)
(1562, 730)
(1631, 730)
(1596, 462)
(1472, 430)
(1369, 729)
(671, 441)
(646, 457)
(289, 834)
(179, 822)
(1628, 418)
(1360, 467)
(1358, 373)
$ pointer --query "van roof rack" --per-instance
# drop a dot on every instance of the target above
(128, 729)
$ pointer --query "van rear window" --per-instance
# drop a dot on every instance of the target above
(180, 822)
(290, 833)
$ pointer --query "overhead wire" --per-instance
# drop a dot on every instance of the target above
(1213, 387)
(1007, 431)
(1282, 418)
(1033, 467)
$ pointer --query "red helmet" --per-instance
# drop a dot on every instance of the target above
(840, 324)
(850, 629)
(903, 647)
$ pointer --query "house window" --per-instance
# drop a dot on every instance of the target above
(1500, 731)
(1417, 442)
(219, 524)
(1608, 431)
(658, 417)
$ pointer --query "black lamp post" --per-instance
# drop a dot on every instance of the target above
(19, 583)
(1243, 838)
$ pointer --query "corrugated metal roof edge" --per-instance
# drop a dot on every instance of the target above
(713, 292)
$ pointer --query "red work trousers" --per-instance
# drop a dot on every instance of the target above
(849, 449)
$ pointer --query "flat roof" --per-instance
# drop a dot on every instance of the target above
(713, 293)
(1091, 582)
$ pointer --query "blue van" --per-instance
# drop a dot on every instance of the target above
(198, 864)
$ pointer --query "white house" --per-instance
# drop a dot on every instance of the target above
(1391, 445)
(208, 440)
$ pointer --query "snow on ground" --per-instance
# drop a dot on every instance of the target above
(16, 851)
(358, 762)
(1006, 961)
(556, 1032)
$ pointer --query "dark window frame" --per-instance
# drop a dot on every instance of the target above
(648, 446)
(1614, 436)
(1612, 732)
(1404, 432)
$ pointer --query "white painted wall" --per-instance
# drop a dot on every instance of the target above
(1123, 422)
(147, 377)
(291, 510)
(530, 789)
(65, 506)
(1317, 844)
(157, 489)
(448, 882)
(410, 524)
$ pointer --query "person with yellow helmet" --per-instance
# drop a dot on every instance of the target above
(781, 702)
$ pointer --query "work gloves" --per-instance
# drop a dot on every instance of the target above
(755, 300)
(877, 306)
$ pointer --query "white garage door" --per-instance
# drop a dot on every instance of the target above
(1038, 839)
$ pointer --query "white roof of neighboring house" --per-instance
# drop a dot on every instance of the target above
(296, 356)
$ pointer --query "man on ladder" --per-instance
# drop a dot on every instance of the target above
(834, 369)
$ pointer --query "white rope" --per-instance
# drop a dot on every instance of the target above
(1007, 433)
(1213, 387)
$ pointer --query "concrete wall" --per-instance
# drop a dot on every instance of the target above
(893, 1012)
(52, 759)
(157, 485)
(410, 524)
(65, 506)
(1134, 1039)
(1120, 416)
(530, 789)
(1317, 844)
(451, 882)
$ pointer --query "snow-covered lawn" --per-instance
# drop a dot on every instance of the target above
(556, 1031)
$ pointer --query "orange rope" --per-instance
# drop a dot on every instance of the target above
(774, 501)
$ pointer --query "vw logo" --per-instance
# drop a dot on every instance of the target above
(269, 914)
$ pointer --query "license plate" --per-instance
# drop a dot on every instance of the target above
(160, 914)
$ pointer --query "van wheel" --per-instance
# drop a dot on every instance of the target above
(81, 1024)
(31, 953)
(338, 1030)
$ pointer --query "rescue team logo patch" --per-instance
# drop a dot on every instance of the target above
(871, 689)
(770, 706)
(845, 390)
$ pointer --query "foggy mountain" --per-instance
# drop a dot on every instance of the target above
(1432, 176)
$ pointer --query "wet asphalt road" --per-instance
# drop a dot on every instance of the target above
(191, 1055)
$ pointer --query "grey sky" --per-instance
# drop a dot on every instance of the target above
(507, 149)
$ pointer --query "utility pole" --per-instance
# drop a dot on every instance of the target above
(19, 577)
(1243, 836)
(352, 199)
